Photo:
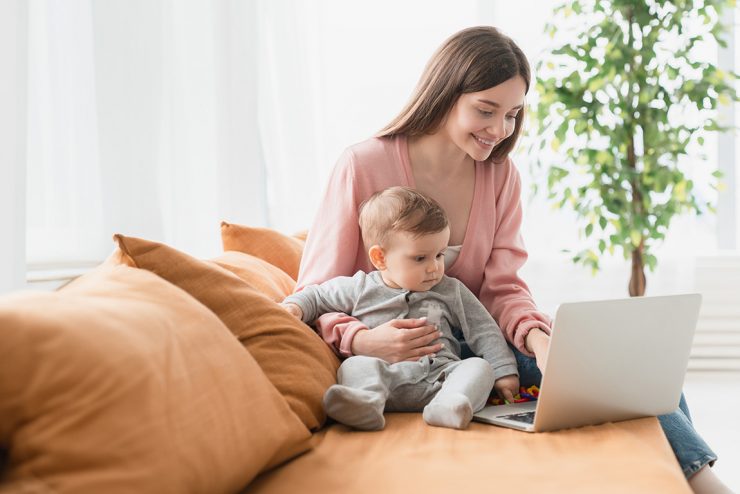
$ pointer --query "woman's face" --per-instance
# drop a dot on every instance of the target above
(479, 121)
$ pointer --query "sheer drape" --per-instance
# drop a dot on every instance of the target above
(143, 120)
(13, 83)
(65, 213)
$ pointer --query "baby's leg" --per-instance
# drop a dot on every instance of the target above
(464, 392)
(358, 400)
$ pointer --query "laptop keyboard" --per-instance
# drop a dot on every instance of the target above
(526, 417)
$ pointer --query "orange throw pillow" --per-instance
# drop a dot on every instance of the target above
(272, 282)
(292, 355)
(122, 382)
(270, 245)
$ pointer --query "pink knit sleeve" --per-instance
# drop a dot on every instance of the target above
(331, 250)
(503, 292)
(338, 330)
(333, 239)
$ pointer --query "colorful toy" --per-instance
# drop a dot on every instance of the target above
(525, 394)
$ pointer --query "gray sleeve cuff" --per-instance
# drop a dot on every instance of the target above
(306, 306)
(505, 370)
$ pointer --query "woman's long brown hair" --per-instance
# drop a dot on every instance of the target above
(472, 60)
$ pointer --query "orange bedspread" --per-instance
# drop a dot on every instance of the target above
(411, 457)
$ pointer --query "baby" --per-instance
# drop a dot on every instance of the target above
(406, 234)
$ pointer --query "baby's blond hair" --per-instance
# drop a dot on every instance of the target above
(399, 209)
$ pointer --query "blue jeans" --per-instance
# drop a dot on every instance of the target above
(690, 449)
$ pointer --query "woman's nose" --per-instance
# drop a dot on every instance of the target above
(497, 129)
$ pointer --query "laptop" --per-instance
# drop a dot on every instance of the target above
(608, 361)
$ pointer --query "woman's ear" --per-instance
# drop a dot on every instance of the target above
(377, 257)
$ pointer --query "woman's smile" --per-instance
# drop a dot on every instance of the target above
(484, 143)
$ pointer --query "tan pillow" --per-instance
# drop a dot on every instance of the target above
(270, 245)
(293, 356)
(122, 382)
(272, 282)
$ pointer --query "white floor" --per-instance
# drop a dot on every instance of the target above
(714, 401)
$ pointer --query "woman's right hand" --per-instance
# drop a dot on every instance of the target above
(538, 342)
(398, 340)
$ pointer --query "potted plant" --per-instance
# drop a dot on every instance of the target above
(622, 99)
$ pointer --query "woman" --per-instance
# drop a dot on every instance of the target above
(452, 142)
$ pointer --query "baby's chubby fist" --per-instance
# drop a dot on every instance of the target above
(292, 309)
(507, 387)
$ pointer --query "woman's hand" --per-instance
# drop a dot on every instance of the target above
(397, 340)
(537, 342)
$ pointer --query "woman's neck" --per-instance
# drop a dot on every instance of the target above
(436, 155)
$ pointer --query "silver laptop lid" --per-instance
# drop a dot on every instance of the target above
(616, 359)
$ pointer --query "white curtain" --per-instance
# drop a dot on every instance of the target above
(290, 110)
(142, 120)
(13, 36)
(65, 214)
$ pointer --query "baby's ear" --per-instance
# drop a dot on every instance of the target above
(377, 257)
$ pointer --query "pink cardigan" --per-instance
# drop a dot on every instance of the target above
(492, 250)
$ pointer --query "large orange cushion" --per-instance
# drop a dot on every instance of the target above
(269, 280)
(292, 355)
(122, 382)
(270, 245)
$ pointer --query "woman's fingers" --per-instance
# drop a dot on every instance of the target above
(419, 341)
(540, 356)
(421, 332)
(408, 323)
(417, 353)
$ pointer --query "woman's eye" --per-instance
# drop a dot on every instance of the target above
(485, 113)
(511, 117)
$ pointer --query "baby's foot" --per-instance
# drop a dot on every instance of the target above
(355, 407)
(452, 410)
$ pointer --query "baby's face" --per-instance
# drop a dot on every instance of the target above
(415, 264)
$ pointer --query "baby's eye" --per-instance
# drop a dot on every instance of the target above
(419, 258)
(440, 255)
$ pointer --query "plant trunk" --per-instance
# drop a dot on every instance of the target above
(637, 279)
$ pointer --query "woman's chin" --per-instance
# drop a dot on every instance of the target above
(480, 155)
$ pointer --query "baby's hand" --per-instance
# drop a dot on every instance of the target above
(293, 309)
(506, 387)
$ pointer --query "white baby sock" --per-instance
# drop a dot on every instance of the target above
(356, 408)
(451, 410)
